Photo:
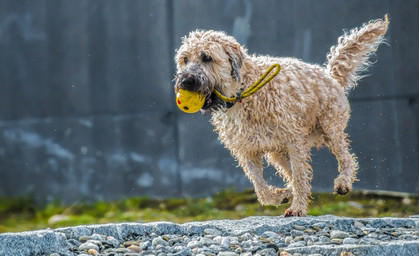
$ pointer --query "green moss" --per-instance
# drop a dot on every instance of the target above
(19, 214)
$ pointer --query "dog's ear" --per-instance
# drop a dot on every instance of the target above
(236, 55)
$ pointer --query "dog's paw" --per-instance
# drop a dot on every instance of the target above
(342, 187)
(274, 196)
(272, 199)
(294, 213)
(342, 190)
(284, 194)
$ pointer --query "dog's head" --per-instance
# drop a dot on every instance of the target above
(208, 60)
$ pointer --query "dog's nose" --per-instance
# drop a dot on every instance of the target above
(188, 83)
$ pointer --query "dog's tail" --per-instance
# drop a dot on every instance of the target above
(349, 58)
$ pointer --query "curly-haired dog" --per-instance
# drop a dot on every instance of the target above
(304, 106)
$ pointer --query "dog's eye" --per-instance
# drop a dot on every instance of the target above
(185, 60)
(206, 58)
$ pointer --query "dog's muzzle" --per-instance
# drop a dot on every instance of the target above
(190, 83)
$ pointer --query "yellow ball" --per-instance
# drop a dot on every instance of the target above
(189, 102)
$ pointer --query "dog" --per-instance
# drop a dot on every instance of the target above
(304, 106)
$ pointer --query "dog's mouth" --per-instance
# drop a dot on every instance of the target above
(212, 103)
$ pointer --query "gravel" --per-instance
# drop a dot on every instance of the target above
(325, 235)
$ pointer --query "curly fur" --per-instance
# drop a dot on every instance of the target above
(304, 106)
(348, 59)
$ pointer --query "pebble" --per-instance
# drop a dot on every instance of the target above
(309, 231)
(134, 248)
(207, 241)
(227, 254)
(159, 241)
(324, 240)
(225, 242)
(297, 227)
(269, 234)
(310, 240)
(358, 224)
(349, 240)
(87, 246)
(298, 238)
(212, 231)
(92, 252)
(112, 241)
(97, 237)
(320, 225)
(336, 240)
(296, 233)
(84, 238)
(337, 234)
(73, 244)
(288, 239)
(144, 245)
(296, 244)
(284, 253)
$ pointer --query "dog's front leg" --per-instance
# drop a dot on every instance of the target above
(299, 154)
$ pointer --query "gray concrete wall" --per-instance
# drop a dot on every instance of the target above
(87, 107)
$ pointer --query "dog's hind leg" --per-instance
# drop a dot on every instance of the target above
(339, 145)
(337, 141)
(267, 195)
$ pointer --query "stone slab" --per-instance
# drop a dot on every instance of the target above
(44, 242)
